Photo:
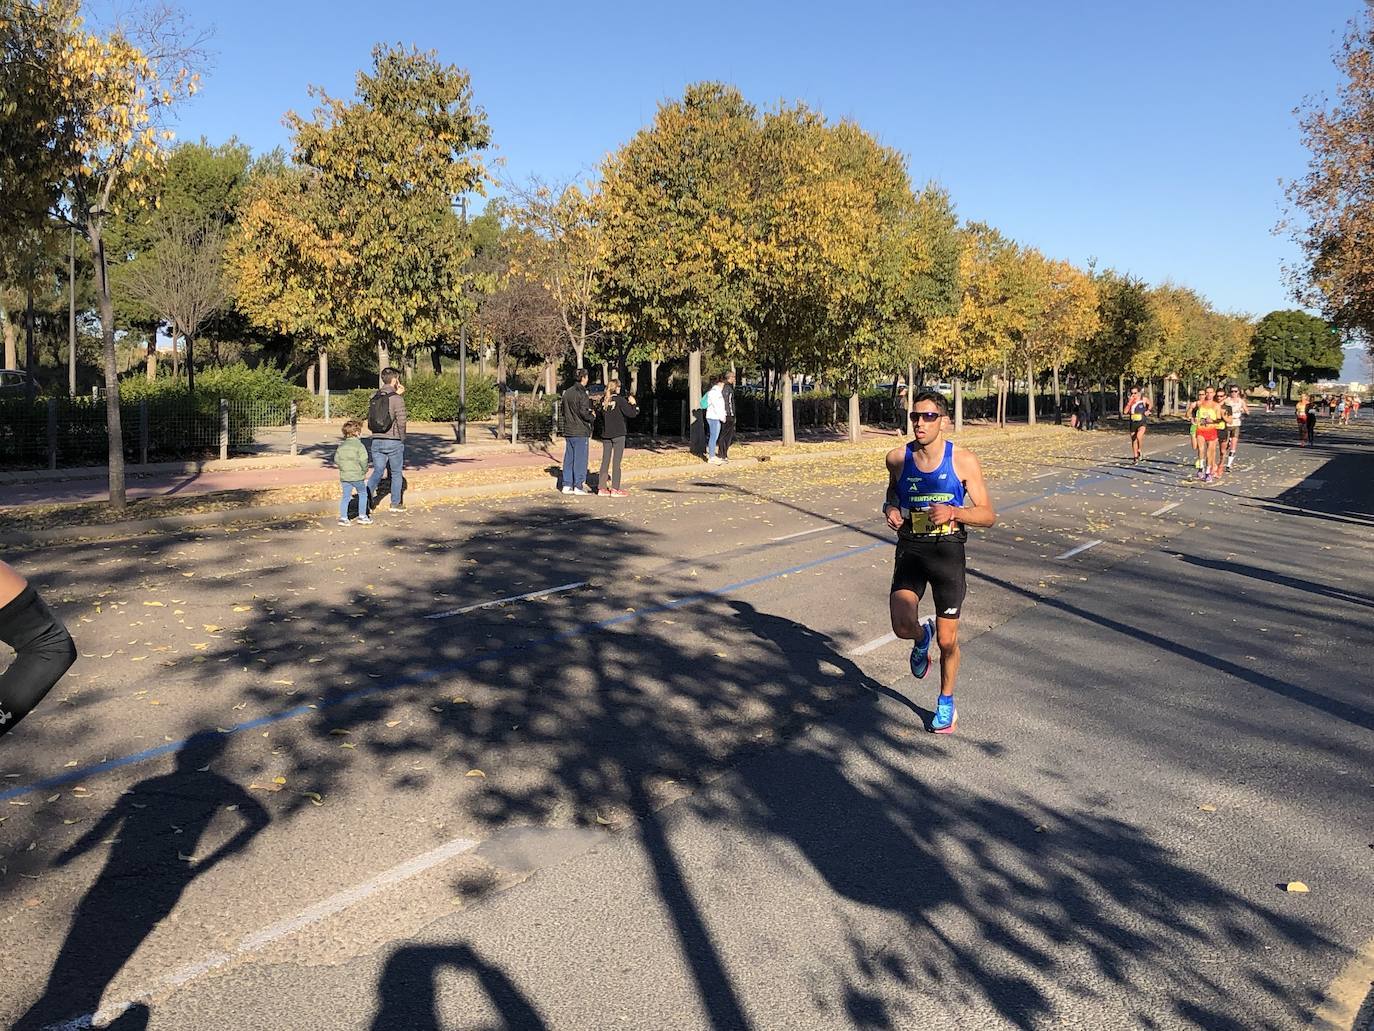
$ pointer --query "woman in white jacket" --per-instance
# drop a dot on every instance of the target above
(714, 403)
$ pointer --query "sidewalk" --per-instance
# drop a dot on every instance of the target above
(431, 452)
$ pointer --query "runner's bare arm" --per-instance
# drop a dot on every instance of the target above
(892, 504)
(977, 509)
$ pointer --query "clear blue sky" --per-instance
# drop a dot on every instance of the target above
(1151, 136)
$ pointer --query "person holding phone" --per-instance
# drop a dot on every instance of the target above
(616, 409)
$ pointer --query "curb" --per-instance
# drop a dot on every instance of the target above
(320, 509)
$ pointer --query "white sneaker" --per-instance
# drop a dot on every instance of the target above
(364, 520)
(579, 490)
(567, 490)
(343, 522)
(715, 461)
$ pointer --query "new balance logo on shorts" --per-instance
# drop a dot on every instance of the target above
(951, 612)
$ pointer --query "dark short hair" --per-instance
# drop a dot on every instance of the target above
(934, 397)
(390, 375)
(581, 374)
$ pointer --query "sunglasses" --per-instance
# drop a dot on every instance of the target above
(927, 416)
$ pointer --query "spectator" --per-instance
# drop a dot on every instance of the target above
(727, 428)
(714, 403)
(350, 458)
(578, 417)
(615, 409)
(386, 418)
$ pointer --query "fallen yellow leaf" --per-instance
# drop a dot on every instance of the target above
(278, 780)
(1296, 886)
(474, 773)
(1207, 807)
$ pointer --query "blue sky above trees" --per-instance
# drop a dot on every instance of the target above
(1149, 136)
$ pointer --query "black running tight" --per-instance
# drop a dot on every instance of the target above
(43, 652)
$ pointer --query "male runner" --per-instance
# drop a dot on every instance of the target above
(934, 491)
(1135, 410)
(1235, 408)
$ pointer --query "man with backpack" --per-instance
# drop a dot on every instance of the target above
(386, 418)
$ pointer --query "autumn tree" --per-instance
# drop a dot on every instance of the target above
(557, 243)
(1333, 205)
(390, 167)
(1063, 317)
(676, 227)
(97, 106)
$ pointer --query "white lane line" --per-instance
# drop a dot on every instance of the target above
(1078, 550)
(803, 533)
(502, 601)
(1167, 508)
(260, 939)
(874, 645)
(1052, 472)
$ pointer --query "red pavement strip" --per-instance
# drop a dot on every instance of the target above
(58, 492)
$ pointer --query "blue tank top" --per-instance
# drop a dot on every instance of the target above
(917, 491)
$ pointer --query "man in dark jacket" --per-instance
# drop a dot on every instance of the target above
(578, 417)
(727, 428)
(389, 439)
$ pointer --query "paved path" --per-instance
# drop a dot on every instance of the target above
(695, 792)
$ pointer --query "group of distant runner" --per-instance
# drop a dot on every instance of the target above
(1215, 417)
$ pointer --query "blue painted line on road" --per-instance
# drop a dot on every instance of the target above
(426, 676)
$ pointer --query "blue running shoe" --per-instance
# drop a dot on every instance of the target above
(920, 651)
(946, 715)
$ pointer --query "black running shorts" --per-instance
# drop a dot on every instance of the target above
(939, 563)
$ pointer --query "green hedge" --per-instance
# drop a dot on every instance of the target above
(428, 399)
(266, 383)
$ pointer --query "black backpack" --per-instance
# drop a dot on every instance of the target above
(379, 418)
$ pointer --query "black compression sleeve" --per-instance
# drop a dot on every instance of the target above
(43, 652)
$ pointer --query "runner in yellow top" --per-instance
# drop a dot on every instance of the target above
(1135, 411)
(1209, 418)
(1304, 436)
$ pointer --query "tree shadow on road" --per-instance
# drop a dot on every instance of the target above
(604, 707)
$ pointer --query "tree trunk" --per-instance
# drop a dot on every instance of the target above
(653, 377)
(30, 356)
(1030, 394)
(113, 428)
(1058, 399)
(958, 404)
(151, 357)
(436, 361)
(11, 342)
(383, 359)
(481, 361)
(1120, 392)
(310, 378)
(789, 430)
(190, 363)
(605, 372)
(856, 429)
(634, 381)
(694, 379)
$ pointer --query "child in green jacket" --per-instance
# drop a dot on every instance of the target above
(351, 459)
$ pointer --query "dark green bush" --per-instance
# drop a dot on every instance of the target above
(265, 384)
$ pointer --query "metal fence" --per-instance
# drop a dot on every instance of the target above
(63, 433)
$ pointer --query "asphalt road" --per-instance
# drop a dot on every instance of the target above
(692, 788)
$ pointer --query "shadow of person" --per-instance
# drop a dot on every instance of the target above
(159, 825)
(408, 994)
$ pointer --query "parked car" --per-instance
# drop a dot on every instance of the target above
(13, 382)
